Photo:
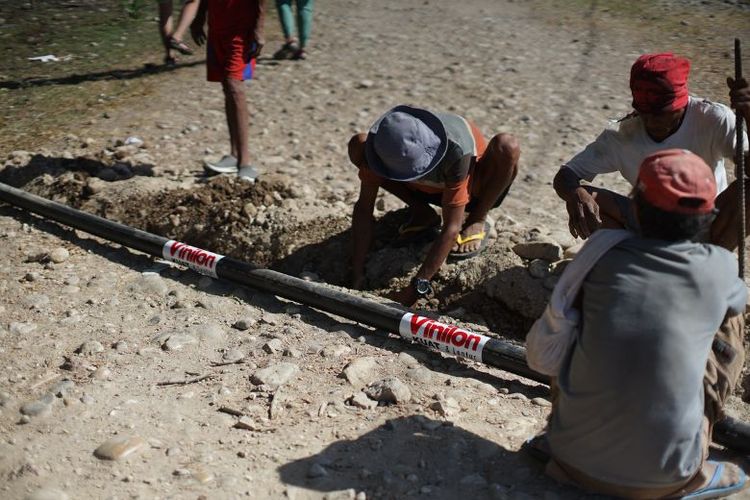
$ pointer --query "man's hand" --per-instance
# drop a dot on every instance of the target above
(406, 296)
(739, 94)
(583, 214)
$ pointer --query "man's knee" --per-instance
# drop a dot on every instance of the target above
(505, 147)
(357, 149)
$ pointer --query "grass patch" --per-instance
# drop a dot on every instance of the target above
(102, 47)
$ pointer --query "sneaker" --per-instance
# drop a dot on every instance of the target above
(300, 55)
(286, 51)
(247, 173)
(227, 165)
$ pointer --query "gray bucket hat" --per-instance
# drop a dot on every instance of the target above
(405, 143)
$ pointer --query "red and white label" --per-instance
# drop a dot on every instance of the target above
(446, 338)
(197, 259)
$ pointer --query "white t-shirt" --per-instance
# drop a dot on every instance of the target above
(708, 130)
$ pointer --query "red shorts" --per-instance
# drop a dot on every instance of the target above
(228, 57)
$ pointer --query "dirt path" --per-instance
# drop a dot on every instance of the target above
(90, 330)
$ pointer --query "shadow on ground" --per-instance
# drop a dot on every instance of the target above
(415, 455)
(113, 74)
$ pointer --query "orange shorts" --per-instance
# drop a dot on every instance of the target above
(228, 57)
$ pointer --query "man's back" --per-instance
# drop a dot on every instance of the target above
(631, 395)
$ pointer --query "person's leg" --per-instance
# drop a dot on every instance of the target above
(494, 173)
(286, 17)
(237, 119)
(422, 214)
(165, 26)
(304, 21)
(186, 17)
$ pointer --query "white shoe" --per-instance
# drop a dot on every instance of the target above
(247, 173)
(227, 165)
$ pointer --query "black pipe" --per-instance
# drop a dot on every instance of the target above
(491, 351)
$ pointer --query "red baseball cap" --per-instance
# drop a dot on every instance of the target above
(659, 82)
(676, 180)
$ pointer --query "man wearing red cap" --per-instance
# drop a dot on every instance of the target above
(665, 117)
(657, 351)
(428, 158)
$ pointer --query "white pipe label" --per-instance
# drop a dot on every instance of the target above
(446, 338)
(197, 259)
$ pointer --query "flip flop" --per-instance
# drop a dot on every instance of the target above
(712, 490)
(179, 46)
(410, 233)
(482, 236)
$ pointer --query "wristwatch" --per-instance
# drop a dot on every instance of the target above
(422, 286)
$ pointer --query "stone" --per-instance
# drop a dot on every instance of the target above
(90, 347)
(5, 398)
(36, 301)
(35, 408)
(539, 268)
(120, 447)
(121, 346)
(17, 328)
(276, 375)
(360, 400)
(232, 356)
(541, 402)
(150, 283)
(291, 352)
(177, 341)
(247, 423)
(59, 255)
(61, 388)
(408, 360)
(545, 250)
(47, 494)
(316, 470)
(211, 332)
(102, 373)
(246, 322)
(335, 351)
(273, 346)
(447, 407)
(361, 371)
(389, 390)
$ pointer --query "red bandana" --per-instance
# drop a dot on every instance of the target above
(659, 83)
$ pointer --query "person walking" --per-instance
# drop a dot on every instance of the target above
(294, 48)
(173, 40)
(235, 39)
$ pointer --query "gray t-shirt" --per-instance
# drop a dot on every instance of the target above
(631, 394)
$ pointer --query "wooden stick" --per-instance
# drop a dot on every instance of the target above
(739, 161)
(186, 381)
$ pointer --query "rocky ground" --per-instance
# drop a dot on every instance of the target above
(127, 377)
